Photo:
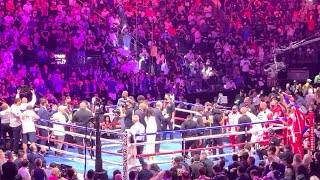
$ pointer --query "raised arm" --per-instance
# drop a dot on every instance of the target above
(34, 99)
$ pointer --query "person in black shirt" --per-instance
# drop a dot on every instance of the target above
(177, 169)
(242, 138)
(252, 166)
(169, 114)
(273, 141)
(82, 118)
(217, 120)
(234, 165)
(19, 159)
(140, 112)
(127, 114)
(287, 154)
(242, 173)
(145, 173)
(186, 145)
(9, 168)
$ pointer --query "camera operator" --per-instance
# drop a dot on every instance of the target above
(24, 100)
(81, 118)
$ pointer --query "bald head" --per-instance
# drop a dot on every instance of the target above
(61, 109)
(263, 106)
(159, 104)
(143, 105)
(243, 110)
(125, 94)
(24, 100)
(83, 105)
(135, 118)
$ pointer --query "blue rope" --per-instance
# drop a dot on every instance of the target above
(213, 128)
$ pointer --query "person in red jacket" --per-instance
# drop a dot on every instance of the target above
(296, 124)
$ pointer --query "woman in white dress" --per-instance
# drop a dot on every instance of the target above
(151, 128)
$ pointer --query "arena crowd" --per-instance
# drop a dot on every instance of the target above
(177, 47)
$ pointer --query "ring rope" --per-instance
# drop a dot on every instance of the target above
(214, 136)
(215, 127)
(76, 134)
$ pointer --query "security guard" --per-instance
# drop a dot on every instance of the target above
(186, 145)
(217, 120)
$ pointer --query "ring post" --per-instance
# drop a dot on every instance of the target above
(312, 138)
(125, 150)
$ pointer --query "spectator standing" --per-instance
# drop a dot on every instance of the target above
(15, 123)
(5, 116)
(59, 134)
(28, 128)
(44, 115)
(24, 171)
(145, 173)
(195, 166)
(9, 168)
(38, 173)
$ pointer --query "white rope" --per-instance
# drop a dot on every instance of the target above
(188, 111)
(77, 134)
(76, 155)
(206, 137)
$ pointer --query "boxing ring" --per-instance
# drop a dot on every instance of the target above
(128, 158)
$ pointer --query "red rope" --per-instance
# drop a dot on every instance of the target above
(78, 146)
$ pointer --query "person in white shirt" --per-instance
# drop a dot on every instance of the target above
(257, 130)
(24, 100)
(135, 130)
(151, 128)
(24, 171)
(15, 123)
(58, 133)
(28, 128)
(232, 121)
(5, 116)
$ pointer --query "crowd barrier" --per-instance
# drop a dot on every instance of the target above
(129, 154)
